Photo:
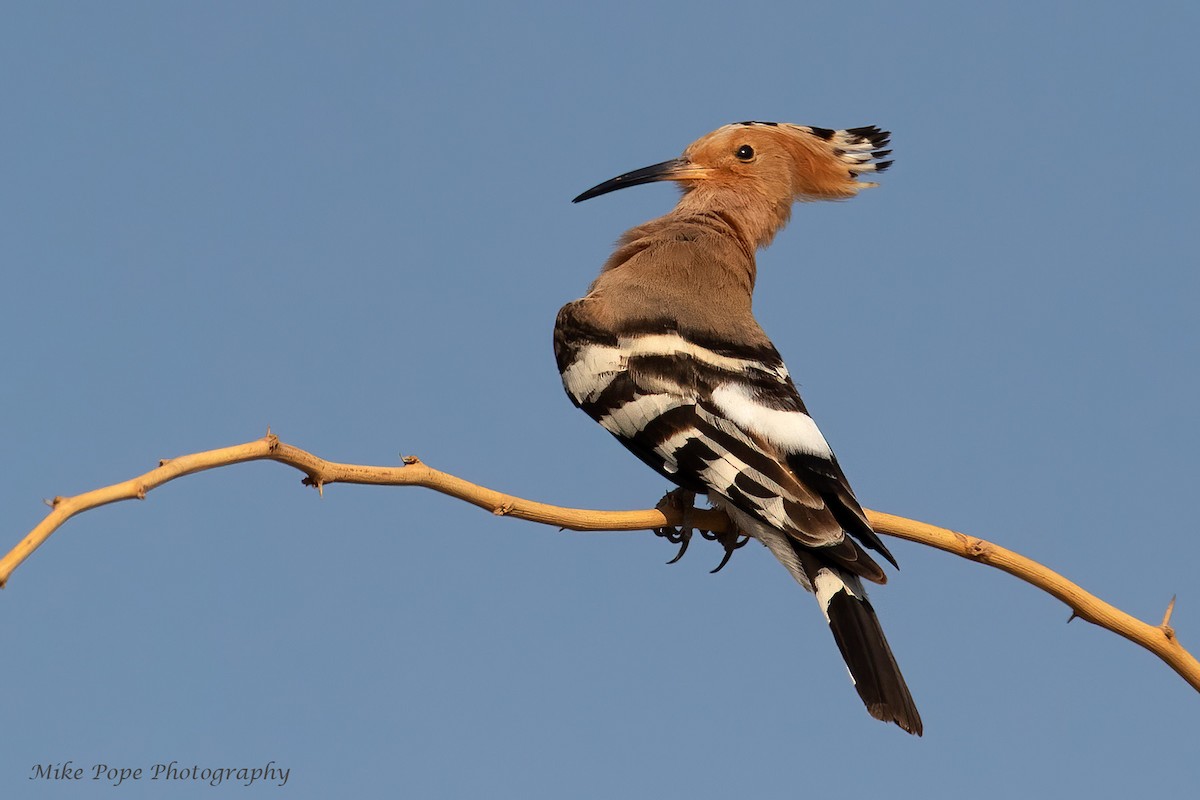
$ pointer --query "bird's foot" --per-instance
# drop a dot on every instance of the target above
(731, 540)
(683, 501)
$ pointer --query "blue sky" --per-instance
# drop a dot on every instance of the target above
(352, 224)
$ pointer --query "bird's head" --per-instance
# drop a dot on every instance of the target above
(759, 169)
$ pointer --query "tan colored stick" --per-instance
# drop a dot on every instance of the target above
(1158, 639)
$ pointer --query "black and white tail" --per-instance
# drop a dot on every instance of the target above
(864, 648)
(856, 629)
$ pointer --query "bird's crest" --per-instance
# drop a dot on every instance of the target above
(834, 158)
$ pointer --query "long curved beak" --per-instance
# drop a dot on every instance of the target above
(673, 170)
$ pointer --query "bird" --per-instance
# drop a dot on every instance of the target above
(665, 353)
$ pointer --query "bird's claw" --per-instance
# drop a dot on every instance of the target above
(679, 536)
(731, 540)
(682, 500)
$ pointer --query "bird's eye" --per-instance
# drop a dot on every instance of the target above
(745, 153)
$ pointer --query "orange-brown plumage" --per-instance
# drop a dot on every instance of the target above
(752, 173)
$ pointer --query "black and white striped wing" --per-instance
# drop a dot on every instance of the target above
(719, 421)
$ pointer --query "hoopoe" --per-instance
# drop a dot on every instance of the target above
(664, 352)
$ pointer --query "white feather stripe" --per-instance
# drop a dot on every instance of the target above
(793, 431)
(771, 508)
(734, 431)
(721, 472)
(726, 426)
(828, 583)
(632, 418)
(668, 446)
(671, 344)
(777, 515)
(595, 364)
(592, 371)
(852, 141)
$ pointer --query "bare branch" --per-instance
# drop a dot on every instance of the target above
(1158, 639)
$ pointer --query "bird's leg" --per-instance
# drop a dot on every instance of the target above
(683, 500)
(730, 539)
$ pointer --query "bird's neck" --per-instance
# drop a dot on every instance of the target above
(673, 268)
(754, 215)
(708, 250)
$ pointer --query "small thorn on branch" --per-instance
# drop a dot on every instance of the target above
(1168, 631)
(162, 462)
(1073, 617)
(409, 460)
(1170, 610)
